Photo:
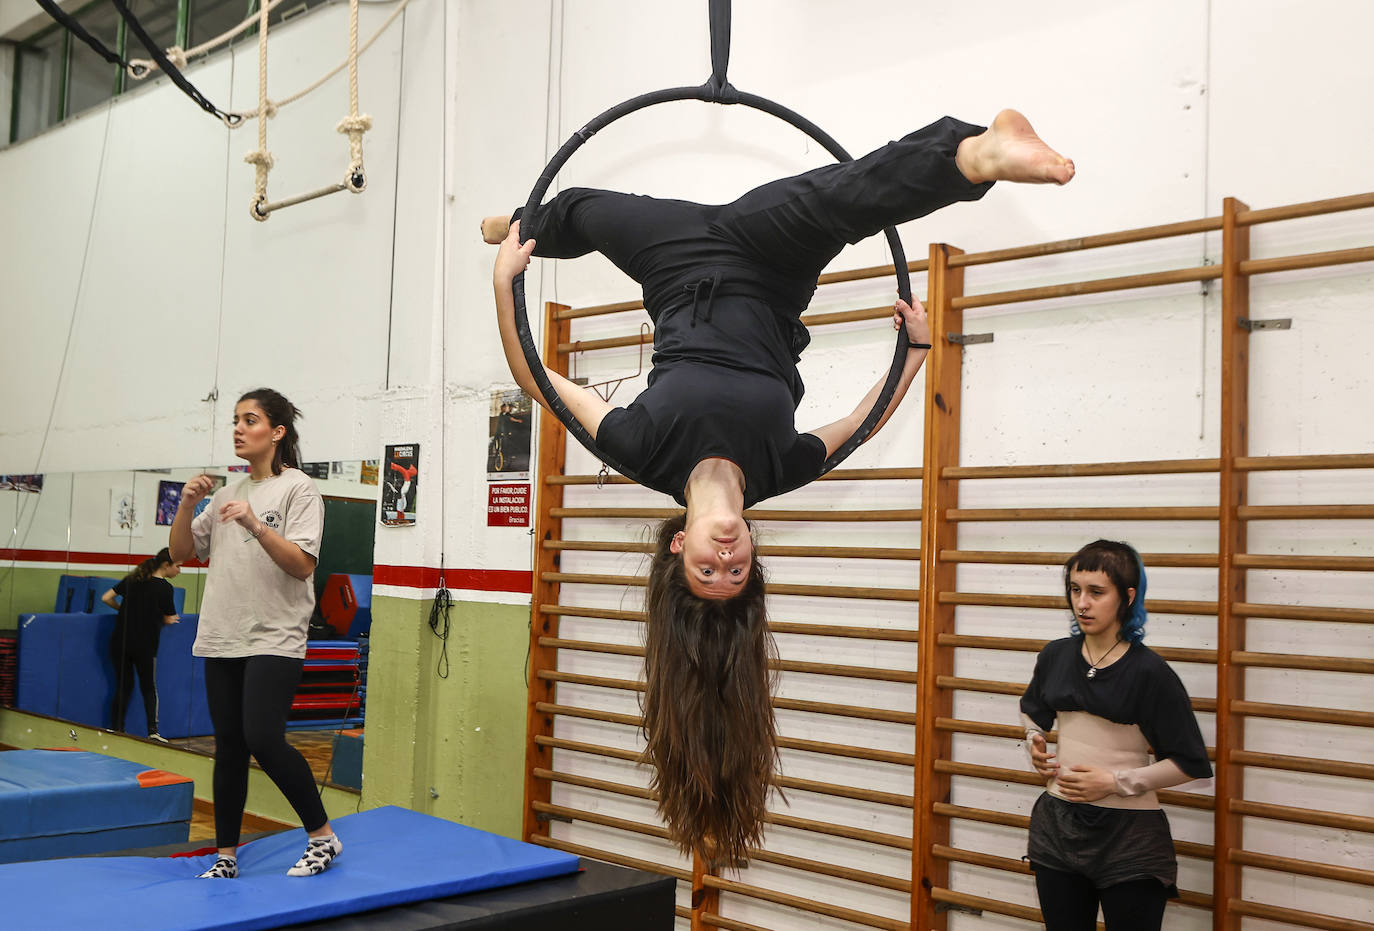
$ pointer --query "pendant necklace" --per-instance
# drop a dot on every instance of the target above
(1093, 664)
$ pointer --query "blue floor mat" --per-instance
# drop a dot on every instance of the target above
(391, 856)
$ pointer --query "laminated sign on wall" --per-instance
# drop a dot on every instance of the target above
(400, 484)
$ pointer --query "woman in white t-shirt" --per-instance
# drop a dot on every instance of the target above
(261, 536)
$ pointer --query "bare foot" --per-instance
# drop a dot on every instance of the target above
(494, 229)
(1011, 151)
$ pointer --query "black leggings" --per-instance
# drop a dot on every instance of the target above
(780, 235)
(249, 699)
(126, 664)
(1069, 902)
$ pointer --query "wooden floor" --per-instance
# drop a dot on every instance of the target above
(316, 746)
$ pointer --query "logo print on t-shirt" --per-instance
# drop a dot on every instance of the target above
(272, 519)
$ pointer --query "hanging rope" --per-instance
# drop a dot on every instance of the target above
(140, 68)
(261, 159)
(354, 125)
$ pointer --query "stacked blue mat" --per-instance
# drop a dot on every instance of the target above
(59, 803)
(391, 856)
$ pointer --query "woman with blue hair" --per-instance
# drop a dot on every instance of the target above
(1097, 834)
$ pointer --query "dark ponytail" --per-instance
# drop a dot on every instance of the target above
(145, 569)
(708, 713)
(280, 413)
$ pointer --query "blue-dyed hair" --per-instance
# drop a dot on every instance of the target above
(1123, 567)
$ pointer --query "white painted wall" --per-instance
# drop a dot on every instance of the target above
(129, 252)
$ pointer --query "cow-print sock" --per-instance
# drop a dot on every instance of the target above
(319, 854)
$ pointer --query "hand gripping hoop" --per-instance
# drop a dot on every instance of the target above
(716, 90)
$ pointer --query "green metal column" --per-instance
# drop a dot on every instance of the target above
(183, 23)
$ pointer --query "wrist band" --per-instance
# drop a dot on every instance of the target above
(261, 528)
(912, 346)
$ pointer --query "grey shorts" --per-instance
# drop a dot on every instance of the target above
(1106, 845)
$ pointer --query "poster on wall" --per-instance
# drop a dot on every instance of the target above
(508, 436)
(168, 497)
(400, 484)
(315, 469)
(369, 470)
(508, 504)
(124, 517)
(21, 483)
(347, 471)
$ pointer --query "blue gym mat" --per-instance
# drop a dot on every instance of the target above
(391, 856)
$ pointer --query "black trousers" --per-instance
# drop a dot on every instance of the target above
(1069, 901)
(250, 698)
(127, 664)
(781, 234)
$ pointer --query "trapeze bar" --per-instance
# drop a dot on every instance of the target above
(262, 211)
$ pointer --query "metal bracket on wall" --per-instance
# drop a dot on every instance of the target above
(968, 339)
(1275, 323)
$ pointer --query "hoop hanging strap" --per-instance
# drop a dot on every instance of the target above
(721, 91)
(71, 25)
(171, 70)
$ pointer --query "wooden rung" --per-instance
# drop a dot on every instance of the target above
(983, 815)
(1026, 778)
(1153, 560)
(986, 860)
(1300, 661)
(838, 830)
(1305, 511)
(1079, 243)
(982, 904)
(1009, 731)
(891, 634)
(845, 750)
(1093, 286)
(1057, 602)
(1295, 916)
(1288, 463)
(584, 646)
(906, 514)
(573, 678)
(839, 791)
(772, 588)
(601, 785)
(1304, 613)
(577, 746)
(1309, 208)
(1340, 821)
(1287, 263)
(817, 552)
(1026, 645)
(608, 614)
(596, 853)
(1303, 764)
(847, 711)
(1043, 514)
(880, 880)
(730, 924)
(573, 313)
(802, 904)
(980, 685)
(1081, 469)
(591, 714)
(592, 817)
(1345, 716)
(1329, 563)
(1266, 861)
(838, 475)
(870, 673)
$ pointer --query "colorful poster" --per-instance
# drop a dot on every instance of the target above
(368, 474)
(168, 497)
(508, 436)
(400, 484)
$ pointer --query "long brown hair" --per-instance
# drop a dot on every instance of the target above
(708, 713)
(280, 413)
(144, 570)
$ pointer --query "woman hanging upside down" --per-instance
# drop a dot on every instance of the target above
(725, 287)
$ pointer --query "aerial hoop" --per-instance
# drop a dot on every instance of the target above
(717, 89)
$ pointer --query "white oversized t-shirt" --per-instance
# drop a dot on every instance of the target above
(252, 606)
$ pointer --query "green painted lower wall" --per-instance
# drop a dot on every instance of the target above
(28, 731)
(449, 746)
(34, 591)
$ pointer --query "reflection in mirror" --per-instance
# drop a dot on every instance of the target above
(81, 625)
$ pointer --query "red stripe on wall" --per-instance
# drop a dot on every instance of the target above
(83, 559)
(520, 581)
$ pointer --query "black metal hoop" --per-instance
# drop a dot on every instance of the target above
(716, 90)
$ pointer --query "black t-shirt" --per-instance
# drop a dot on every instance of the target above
(142, 614)
(1138, 689)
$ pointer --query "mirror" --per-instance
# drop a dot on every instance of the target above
(73, 536)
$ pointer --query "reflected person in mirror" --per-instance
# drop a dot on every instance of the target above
(261, 536)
